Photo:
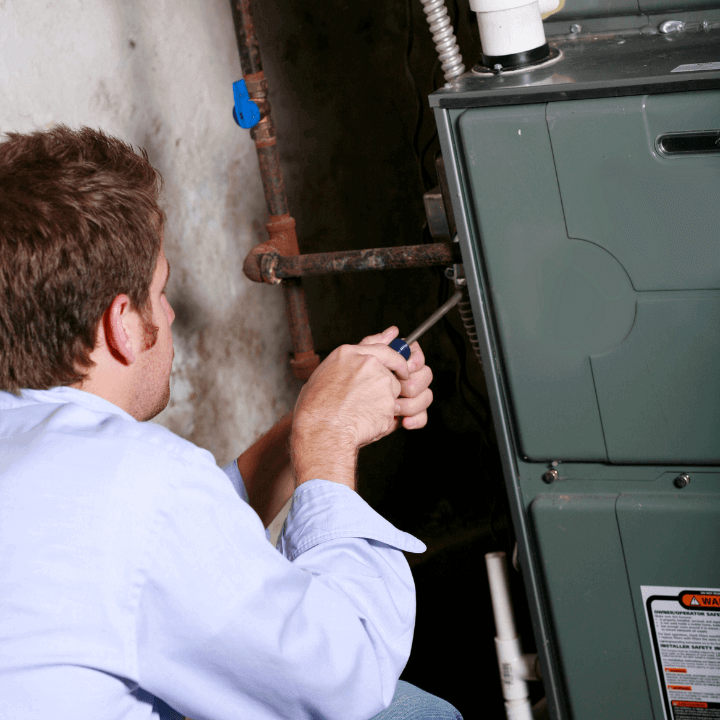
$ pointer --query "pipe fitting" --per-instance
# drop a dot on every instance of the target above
(303, 364)
(257, 85)
(268, 266)
(282, 235)
(263, 259)
(511, 31)
(264, 132)
(252, 267)
(515, 668)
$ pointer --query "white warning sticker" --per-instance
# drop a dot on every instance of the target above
(684, 625)
(697, 67)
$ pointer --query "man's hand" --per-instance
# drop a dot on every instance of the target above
(415, 394)
(354, 398)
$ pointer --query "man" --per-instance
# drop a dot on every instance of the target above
(133, 576)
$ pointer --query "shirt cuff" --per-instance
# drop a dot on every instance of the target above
(322, 510)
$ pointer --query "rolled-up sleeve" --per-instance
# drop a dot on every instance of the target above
(227, 626)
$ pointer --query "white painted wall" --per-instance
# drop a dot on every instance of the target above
(159, 74)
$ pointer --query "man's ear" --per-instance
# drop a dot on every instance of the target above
(118, 324)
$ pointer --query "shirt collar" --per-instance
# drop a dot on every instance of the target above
(62, 395)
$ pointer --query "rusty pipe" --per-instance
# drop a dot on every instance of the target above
(304, 359)
(264, 132)
(247, 41)
(281, 226)
(273, 267)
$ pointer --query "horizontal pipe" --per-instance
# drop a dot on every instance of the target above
(272, 267)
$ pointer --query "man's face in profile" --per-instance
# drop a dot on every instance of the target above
(155, 361)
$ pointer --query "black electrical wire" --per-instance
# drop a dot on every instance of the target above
(465, 386)
(475, 402)
(493, 486)
(425, 176)
(435, 83)
(424, 153)
(434, 137)
(419, 106)
(478, 407)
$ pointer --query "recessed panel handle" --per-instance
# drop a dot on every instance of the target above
(688, 143)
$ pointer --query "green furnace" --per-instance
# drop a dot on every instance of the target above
(586, 193)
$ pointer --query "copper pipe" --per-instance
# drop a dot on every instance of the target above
(304, 359)
(246, 38)
(281, 226)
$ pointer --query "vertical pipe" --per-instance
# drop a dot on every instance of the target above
(247, 41)
(500, 594)
(304, 359)
(281, 226)
(507, 642)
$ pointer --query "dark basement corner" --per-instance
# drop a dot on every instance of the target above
(348, 88)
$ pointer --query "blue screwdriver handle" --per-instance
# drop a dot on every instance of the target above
(403, 346)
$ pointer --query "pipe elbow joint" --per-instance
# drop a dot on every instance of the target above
(260, 264)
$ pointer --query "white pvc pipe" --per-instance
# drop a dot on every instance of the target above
(548, 7)
(497, 571)
(512, 30)
(513, 665)
(518, 710)
(508, 27)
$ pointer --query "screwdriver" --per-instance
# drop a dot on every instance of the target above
(403, 346)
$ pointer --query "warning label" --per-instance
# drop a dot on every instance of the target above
(694, 601)
(684, 625)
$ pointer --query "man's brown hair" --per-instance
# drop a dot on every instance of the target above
(79, 225)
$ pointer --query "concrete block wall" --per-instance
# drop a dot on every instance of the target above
(159, 75)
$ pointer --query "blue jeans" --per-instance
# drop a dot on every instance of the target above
(408, 703)
(411, 703)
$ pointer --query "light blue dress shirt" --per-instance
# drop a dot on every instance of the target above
(131, 570)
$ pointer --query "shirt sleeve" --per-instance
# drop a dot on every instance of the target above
(229, 627)
(233, 472)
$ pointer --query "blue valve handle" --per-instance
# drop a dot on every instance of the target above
(245, 113)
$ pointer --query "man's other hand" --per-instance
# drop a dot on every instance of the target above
(355, 397)
(415, 394)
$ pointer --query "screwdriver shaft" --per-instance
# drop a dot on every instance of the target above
(440, 312)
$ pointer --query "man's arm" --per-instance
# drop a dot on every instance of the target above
(322, 447)
(355, 397)
(266, 470)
